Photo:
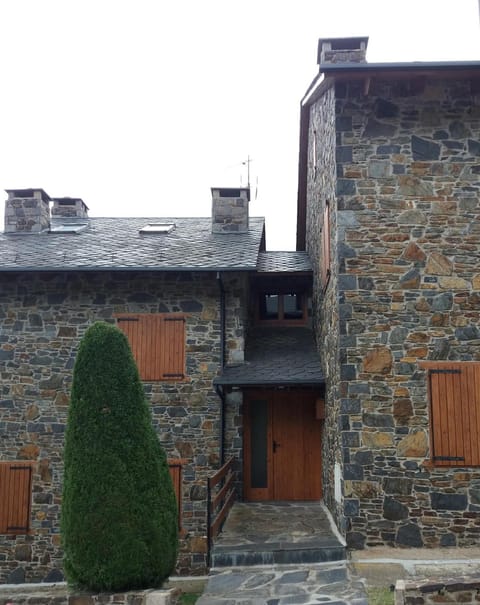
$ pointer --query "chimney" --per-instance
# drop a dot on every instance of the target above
(27, 211)
(342, 50)
(69, 207)
(230, 210)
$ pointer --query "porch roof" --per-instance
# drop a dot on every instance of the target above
(276, 357)
(284, 262)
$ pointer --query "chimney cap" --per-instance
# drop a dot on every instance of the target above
(26, 193)
(231, 191)
(69, 201)
(350, 43)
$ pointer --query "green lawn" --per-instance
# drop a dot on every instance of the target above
(378, 596)
(189, 598)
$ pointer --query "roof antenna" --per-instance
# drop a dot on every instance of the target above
(247, 163)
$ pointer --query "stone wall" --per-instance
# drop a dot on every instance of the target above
(59, 594)
(42, 318)
(408, 275)
(321, 186)
(234, 436)
(431, 592)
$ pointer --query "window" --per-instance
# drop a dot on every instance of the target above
(158, 228)
(76, 227)
(158, 344)
(278, 308)
(15, 497)
(325, 252)
(454, 389)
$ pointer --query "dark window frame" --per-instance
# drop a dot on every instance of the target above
(281, 320)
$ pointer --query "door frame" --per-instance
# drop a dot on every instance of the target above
(268, 394)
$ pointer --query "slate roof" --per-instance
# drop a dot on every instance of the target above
(276, 356)
(116, 244)
(280, 262)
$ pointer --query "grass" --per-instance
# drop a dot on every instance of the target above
(379, 596)
(189, 598)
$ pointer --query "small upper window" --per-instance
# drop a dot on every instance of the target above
(292, 306)
(282, 308)
(158, 228)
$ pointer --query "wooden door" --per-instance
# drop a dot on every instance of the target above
(282, 446)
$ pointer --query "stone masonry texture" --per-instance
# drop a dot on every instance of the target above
(321, 188)
(405, 288)
(42, 319)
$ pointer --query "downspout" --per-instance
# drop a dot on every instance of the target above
(219, 389)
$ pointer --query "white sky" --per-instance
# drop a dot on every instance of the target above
(140, 106)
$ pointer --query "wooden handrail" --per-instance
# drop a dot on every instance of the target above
(221, 493)
(220, 474)
(219, 500)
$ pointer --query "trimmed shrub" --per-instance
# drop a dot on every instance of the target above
(119, 513)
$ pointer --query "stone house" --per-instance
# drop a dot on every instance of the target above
(380, 417)
(389, 213)
(225, 315)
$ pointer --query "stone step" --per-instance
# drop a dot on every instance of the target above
(276, 555)
(331, 584)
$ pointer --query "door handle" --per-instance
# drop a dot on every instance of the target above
(275, 445)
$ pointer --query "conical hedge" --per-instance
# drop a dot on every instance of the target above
(119, 515)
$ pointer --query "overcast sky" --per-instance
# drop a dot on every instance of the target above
(139, 107)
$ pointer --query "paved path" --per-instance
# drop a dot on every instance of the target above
(327, 583)
(280, 553)
(269, 533)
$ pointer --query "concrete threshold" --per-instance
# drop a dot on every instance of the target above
(384, 566)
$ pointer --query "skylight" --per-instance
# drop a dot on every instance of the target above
(68, 227)
(158, 228)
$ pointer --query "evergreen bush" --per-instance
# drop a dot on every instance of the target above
(119, 514)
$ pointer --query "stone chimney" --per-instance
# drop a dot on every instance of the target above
(342, 50)
(69, 207)
(230, 210)
(27, 211)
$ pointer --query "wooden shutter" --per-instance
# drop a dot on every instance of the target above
(15, 497)
(173, 362)
(455, 413)
(158, 344)
(325, 259)
(175, 468)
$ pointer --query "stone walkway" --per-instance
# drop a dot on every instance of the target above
(327, 583)
(280, 553)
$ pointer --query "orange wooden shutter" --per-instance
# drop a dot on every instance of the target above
(15, 497)
(173, 341)
(455, 413)
(175, 469)
(325, 260)
(158, 344)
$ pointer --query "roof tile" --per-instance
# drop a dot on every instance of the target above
(115, 243)
(276, 356)
(281, 262)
